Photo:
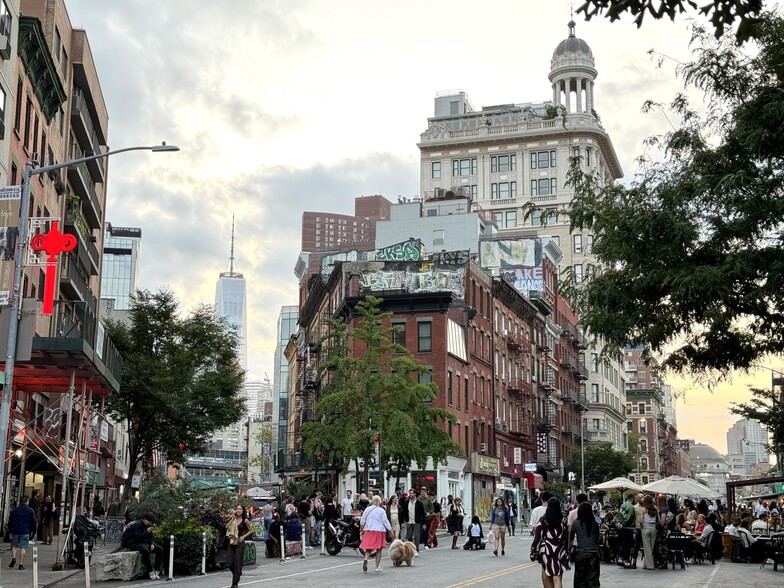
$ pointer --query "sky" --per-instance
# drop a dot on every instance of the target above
(283, 106)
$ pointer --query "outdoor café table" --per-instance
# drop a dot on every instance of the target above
(765, 549)
(676, 547)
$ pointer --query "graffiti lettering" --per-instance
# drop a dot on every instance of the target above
(410, 250)
(525, 279)
(415, 280)
(450, 258)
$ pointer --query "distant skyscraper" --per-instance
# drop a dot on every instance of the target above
(747, 439)
(230, 303)
(257, 393)
(121, 247)
(287, 326)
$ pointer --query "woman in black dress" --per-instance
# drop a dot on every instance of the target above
(549, 545)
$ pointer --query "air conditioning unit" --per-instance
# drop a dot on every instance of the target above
(439, 193)
(504, 333)
(483, 447)
(533, 379)
(497, 422)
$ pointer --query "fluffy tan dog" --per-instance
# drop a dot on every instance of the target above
(400, 552)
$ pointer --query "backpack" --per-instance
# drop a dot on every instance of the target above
(127, 536)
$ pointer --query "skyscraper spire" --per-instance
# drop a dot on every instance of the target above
(231, 258)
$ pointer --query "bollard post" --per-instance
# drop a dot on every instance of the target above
(302, 555)
(86, 554)
(282, 543)
(203, 553)
(171, 559)
(323, 534)
(35, 566)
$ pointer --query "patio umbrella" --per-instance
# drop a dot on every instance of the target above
(680, 486)
(619, 484)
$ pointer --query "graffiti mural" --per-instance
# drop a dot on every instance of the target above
(525, 279)
(447, 273)
(516, 261)
(411, 250)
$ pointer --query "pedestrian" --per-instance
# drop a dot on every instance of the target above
(266, 512)
(393, 514)
(627, 518)
(237, 530)
(48, 519)
(138, 537)
(435, 520)
(373, 530)
(454, 521)
(305, 510)
(475, 535)
(549, 545)
(21, 525)
(98, 509)
(348, 507)
(415, 518)
(512, 513)
(539, 510)
(650, 522)
(585, 531)
(499, 523)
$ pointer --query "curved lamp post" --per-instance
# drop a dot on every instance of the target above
(13, 323)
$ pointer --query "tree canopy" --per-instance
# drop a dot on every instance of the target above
(767, 407)
(377, 390)
(690, 256)
(721, 13)
(181, 379)
(602, 463)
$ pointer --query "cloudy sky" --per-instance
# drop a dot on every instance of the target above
(282, 106)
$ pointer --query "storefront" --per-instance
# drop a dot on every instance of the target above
(485, 472)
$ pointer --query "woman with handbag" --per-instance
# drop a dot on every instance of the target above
(237, 530)
(454, 520)
(499, 522)
(549, 545)
(374, 530)
(586, 552)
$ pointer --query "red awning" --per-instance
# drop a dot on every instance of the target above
(534, 480)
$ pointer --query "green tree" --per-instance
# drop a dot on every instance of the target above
(377, 389)
(690, 258)
(602, 463)
(180, 381)
(722, 13)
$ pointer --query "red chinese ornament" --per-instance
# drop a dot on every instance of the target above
(52, 243)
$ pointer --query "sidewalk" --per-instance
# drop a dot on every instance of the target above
(47, 555)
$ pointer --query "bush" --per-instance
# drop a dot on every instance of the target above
(187, 543)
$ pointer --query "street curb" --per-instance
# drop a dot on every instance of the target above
(62, 579)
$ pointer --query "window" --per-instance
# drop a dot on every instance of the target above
(590, 244)
(643, 426)
(28, 122)
(399, 334)
(588, 156)
(426, 377)
(594, 392)
(643, 463)
(577, 243)
(449, 387)
(503, 163)
(35, 136)
(474, 192)
(543, 159)
(578, 272)
(435, 170)
(464, 167)
(645, 480)
(511, 219)
(438, 236)
(575, 152)
(425, 336)
(57, 46)
(557, 240)
(536, 218)
(643, 445)
(465, 393)
(503, 190)
(498, 217)
(18, 112)
(544, 187)
(594, 362)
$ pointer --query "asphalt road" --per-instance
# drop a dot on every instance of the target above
(444, 567)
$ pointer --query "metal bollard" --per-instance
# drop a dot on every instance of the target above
(203, 553)
(35, 566)
(86, 566)
(302, 555)
(323, 535)
(171, 559)
(282, 544)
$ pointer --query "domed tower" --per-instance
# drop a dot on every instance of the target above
(572, 74)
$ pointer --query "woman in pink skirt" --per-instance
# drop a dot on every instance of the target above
(374, 526)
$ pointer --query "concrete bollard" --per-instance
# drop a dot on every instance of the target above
(171, 559)
(282, 543)
(323, 538)
(203, 553)
(86, 566)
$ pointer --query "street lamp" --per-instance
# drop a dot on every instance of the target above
(13, 323)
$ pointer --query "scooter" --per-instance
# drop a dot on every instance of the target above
(341, 534)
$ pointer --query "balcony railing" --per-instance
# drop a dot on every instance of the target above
(80, 179)
(599, 434)
(82, 125)
(74, 284)
(286, 461)
(86, 249)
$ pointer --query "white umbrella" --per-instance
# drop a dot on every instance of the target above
(680, 486)
(619, 484)
(259, 493)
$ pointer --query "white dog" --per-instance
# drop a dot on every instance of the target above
(400, 552)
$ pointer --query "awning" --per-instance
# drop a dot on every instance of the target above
(549, 475)
(535, 481)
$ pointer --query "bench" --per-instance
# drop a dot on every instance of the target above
(122, 565)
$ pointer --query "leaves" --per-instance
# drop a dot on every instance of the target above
(722, 13)
(181, 379)
(690, 254)
(767, 407)
(602, 463)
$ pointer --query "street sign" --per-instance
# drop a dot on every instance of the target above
(9, 192)
(530, 467)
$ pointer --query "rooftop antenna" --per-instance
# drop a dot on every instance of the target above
(231, 257)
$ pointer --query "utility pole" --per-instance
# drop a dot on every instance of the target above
(777, 383)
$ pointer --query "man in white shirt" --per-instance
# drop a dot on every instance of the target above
(760, 525)
(347, 504)
(539, 511)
